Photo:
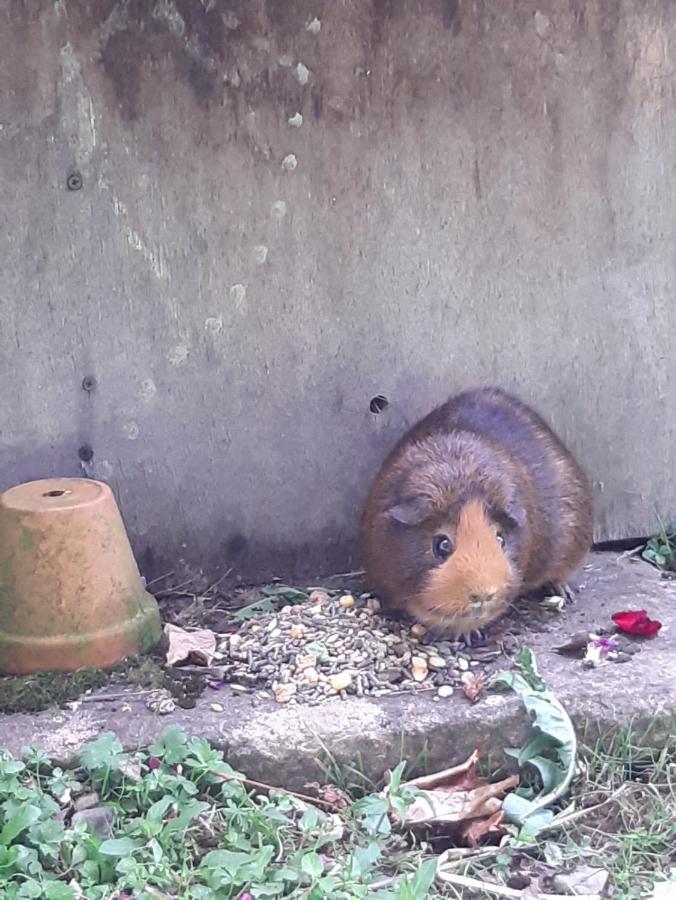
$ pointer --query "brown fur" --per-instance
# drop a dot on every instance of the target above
(480, 469)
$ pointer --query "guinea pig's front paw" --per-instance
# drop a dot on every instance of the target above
(474, 638)
(561, 592)
(436, 633)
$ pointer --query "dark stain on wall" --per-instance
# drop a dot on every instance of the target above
(450, 14)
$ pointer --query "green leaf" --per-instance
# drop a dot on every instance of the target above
(54, 890)
(418, 887)
(550, 772)
(158, 810)
(396, 776)
(311, 864)
(118, 847)
(30, 889)
(553, 854)
(171, 746)
(534, 748)
(285, 592)
(308, 821)
(364, 858)
(188, 812)
(372, 811)
(253, 609)
(103, 753)
(551, 749)
(23, 818)
(528, 664)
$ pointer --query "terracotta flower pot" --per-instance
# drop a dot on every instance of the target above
(71, 594)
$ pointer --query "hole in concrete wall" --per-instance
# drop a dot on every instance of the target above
(378, 404)
(85, 453)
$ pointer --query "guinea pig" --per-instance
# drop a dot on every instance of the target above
(478, 503)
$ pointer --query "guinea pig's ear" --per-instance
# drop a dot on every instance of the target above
(515, 515)
(411, 510)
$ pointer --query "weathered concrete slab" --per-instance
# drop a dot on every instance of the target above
(203, 326)
(280, 745)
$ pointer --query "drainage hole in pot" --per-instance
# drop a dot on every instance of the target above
(55, 493)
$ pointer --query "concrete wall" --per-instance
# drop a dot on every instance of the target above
(482, 192)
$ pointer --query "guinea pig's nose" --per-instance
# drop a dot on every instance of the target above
(485, 597)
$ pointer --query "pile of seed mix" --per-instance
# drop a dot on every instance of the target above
(339, 647)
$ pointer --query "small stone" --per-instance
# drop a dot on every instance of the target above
(284, 692)
(418, 630)
(462, 664)
(436, 662)
(217, 707)
(315, 26)
(392, 675)
(86, 801)
(419, 668)
(318, 597)
(309, 661)
(340, 681)
(310, 676)
(297, 631)
(373, 605)
(400, 649)
(99, 818)
(302, 73)
(296, 120)
(289, 164)
(445, 691)
(346, 601)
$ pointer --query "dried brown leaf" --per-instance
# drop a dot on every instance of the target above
(473, 686)
(330, 794)
(189, 646)
(478, 829)
(582, 880)
(575, 645)
(455, 796)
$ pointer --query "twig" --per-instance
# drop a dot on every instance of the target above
(159, 578)
(346, 574)
(581, 813)
(501, 891)
(101, 698)
(472, 856)
(629, 553)
(259, 785)
(385, 883)
(220, 580)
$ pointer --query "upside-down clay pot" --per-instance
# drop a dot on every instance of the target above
(71, 594)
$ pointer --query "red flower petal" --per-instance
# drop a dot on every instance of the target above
(154, 763)
(637, 623)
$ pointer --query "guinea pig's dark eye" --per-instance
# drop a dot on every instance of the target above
(500, 538)
(443, 546)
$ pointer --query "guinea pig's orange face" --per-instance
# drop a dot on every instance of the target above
(470, 579)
